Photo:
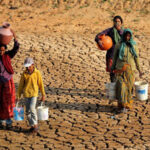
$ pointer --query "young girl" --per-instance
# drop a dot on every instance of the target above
(125, 62)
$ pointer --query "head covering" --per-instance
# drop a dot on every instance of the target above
(28, 62)
(131, 44)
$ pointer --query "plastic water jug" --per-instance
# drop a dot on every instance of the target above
(42, 112)
(141, 88)
(18, 113)
(111, 90)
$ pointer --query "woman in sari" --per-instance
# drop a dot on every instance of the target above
(7, 87)
(115, 33)
(125, 62)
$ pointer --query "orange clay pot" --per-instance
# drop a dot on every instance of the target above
(106, 42)
(5, 34)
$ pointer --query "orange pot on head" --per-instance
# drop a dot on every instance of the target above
(5, 34)
(105, 42)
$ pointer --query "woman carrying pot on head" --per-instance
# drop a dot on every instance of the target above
(125, 62)
(115, 33)
(7, 87)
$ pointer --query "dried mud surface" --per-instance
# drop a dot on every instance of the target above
(61, 41)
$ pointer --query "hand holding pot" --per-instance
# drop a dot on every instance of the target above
(14, 35)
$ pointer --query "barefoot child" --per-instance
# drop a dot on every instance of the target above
(30, 83)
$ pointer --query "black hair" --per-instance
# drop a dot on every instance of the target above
(127, 33)
(124, 35)
(2, 45)
(118, 17)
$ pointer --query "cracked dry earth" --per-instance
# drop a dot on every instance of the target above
(80, 115)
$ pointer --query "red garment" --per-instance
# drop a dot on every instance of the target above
(109, 64)
(7, 99)
(7, 63)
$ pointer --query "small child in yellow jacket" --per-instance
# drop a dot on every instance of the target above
(30, 83)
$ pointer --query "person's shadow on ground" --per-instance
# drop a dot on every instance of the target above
(84, 107)
(15, 129)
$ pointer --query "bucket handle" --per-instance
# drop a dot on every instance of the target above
(17, 104)
(42, 103)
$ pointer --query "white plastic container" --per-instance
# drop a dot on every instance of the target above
(107, 89)
(141, 88)
(111, 90)
(42, 113)
(112, 94)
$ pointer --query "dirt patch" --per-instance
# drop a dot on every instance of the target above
(60, 37)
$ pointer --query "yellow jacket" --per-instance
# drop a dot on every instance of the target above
(30, 84)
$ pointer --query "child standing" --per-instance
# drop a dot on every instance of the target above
(30, 83)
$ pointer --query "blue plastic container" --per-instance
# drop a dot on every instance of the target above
(18, 113)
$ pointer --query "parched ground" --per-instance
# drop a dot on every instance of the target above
(61, 41)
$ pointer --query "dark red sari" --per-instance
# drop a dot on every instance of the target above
(7, 89)
(7, 99)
